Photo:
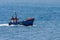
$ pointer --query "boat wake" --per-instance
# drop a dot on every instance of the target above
(11, 25)
(4, 25)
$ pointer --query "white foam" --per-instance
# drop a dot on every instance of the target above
(9, 25)
(4, 25)
(34, 25)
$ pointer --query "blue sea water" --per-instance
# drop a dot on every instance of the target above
(47, 23)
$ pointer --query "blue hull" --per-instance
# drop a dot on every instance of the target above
(25, 23)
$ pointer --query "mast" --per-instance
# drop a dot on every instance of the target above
(15, 15)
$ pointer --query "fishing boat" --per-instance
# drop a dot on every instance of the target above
(15, 21)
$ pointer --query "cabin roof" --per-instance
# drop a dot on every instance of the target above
(30, 18)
